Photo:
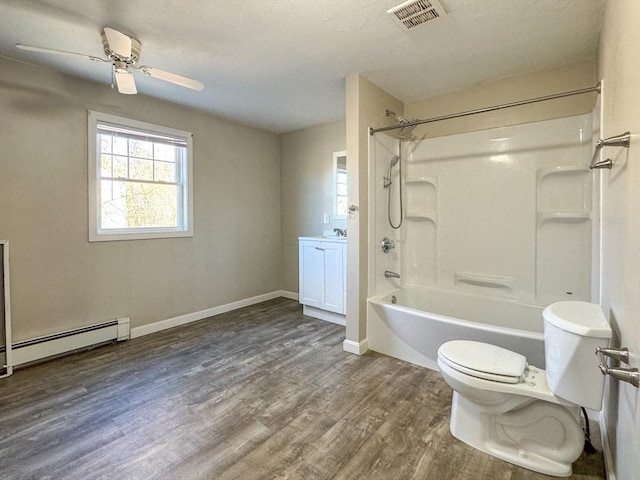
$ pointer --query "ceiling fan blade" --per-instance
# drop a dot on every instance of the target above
(125, 82)
(58, 52)
(119, 43)
(172, 78)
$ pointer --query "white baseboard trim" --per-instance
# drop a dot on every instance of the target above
(609, 471)
(324, 315)
(195, 316)
(69, 341)
(289, 295)
(356, 347)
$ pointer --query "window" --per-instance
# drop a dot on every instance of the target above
(340, 184)
(139, 180)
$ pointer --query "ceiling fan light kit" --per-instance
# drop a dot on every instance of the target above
(123, 52)
(120, 67)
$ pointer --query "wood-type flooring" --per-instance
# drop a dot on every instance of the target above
(259, 393)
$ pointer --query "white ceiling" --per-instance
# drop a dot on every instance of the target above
(280, 65)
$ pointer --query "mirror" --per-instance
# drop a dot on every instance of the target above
(340, 185)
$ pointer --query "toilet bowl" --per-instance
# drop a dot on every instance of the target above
(520, 413)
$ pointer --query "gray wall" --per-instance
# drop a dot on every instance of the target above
(619, 69)
(366, 105)
(59, 279)
(306, 163)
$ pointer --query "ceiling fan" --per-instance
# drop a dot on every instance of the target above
(123, 52)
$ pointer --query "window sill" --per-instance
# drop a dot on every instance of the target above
(112, 237)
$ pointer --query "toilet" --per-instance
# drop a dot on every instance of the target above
(518, 412)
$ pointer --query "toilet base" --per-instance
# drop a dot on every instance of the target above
(540, 436)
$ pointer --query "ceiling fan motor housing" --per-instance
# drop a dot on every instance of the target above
(136, 49)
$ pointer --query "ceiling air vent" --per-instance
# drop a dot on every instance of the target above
(413, 13)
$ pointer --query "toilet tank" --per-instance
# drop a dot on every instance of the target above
(572, 331)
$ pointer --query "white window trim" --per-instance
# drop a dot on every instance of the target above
(98, 235)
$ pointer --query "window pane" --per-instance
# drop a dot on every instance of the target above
(111, 205)
(341, 189)
(341, 177)
(140, 205)
(164, 152)
(140, 169)
(120, 146)
(140, 148)
(165, 172)
(120, 169)
(105, 165)
(105, 143)
(342, 206)
(106, 189)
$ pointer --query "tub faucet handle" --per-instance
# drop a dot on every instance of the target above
(387, 245)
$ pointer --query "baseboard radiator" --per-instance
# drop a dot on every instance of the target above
(28, 351)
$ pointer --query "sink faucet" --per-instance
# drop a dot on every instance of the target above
(389, 274)
(340, 233)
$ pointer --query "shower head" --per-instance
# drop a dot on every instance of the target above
(405, 132)
(386, 182)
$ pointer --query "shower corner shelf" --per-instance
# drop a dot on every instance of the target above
(563, 217)
(559, 170)
(422, 215)
(429, 180)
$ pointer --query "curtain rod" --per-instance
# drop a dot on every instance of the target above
(487, 109)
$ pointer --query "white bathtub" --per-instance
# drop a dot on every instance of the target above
(421, 320)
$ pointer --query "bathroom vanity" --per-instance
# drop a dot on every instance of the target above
(322, 269)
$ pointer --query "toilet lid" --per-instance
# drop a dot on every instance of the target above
(483, 360)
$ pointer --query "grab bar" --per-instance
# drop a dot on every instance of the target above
(616, 141)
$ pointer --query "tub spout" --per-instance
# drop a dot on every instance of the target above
(389, 274)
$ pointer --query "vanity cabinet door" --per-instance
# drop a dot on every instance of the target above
(333, 278)
(311, 270)
(321, 270)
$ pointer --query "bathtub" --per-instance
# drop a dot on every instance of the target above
(421, 320)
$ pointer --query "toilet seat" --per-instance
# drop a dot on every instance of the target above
(484, 361)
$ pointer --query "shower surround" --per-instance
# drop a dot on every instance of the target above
(508, 213)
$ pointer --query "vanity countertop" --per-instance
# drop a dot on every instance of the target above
(324, 238)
